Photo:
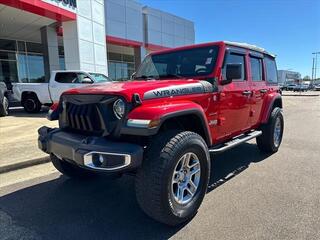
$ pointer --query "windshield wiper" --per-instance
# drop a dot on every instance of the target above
(170, 75)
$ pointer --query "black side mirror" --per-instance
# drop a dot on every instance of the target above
(233, 71)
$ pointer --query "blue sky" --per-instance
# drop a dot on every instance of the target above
(288, 28)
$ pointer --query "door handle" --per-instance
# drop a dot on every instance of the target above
(263, 90)
(246, 93)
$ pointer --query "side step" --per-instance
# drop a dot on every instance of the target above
(235, 142)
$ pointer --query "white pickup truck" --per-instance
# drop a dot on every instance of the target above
(33, 95)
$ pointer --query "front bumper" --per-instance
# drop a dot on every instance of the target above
(92, 153)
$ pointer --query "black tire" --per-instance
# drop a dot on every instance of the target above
(69, 169)
(4, 107)
(153, 180)
(31, 104)
(266, 142)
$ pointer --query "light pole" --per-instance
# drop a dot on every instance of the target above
(314, 66)
(312, 74)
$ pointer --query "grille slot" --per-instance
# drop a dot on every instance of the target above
(85, 117)
(88, 114)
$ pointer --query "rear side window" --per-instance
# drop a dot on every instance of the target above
(67, 77)
(235, 58)
(271, 69)
(256, 69)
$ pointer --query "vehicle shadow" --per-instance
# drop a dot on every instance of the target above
(227, 165)
(19, 112)
(101, 208)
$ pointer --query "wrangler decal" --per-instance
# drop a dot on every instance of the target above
(185, 89)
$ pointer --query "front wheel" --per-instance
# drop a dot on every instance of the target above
(173, 179)
(272, 132)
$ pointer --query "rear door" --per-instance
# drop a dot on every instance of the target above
(234, 99)
(64, 81)
(258, 87)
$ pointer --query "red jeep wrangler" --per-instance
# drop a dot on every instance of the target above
(181, 105)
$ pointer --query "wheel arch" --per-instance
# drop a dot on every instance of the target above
(185, 115)
(272, 102)
(188, 120)
(25, 94)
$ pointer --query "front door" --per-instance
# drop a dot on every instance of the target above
(234, 100)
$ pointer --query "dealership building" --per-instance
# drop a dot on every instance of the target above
(105, 36)
(288, 77)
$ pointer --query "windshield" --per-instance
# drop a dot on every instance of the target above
(178, 64)
(98, 77)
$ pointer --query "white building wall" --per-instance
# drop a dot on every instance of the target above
(84, 39)
(124, 19)
(167, 30)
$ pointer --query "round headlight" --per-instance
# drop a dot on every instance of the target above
(119, 108)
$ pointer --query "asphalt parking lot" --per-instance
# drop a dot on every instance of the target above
(251, 195)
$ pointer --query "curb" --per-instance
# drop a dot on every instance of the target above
(300, 95)
(24, 164)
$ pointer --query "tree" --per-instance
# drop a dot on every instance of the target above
(306, 78)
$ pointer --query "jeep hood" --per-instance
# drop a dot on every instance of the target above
(149, 89)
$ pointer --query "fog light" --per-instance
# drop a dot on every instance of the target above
(97, 160)
(106, 161)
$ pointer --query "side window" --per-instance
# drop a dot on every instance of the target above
(271, 69)
(235, 58)
(256, 69)
(81, 76)
(67, 77)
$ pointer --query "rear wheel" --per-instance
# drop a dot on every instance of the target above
(173, 179)
(69, 169)
(31, 104)
(272, 132)
(4, 107)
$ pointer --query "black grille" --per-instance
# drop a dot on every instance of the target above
(85, 117)
(88, 114)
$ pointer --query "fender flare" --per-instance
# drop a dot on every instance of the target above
(195, 112)
(165, 113)
(269, 106)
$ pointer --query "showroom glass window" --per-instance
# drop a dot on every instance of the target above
(121, 62)
(62, 62)
(8, 61)
(21, 61)
(35, 62)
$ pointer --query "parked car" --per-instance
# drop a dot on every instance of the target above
(290, 87)
(4, 102)
(282, 87)
(317, 87)
(301, 88)
(33, 95)
(183, 105)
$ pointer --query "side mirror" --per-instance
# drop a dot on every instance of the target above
(86, 80)
(133, 75)
(233, 71)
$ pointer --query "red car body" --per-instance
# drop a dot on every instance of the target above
(189, 102)
(226, 112)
